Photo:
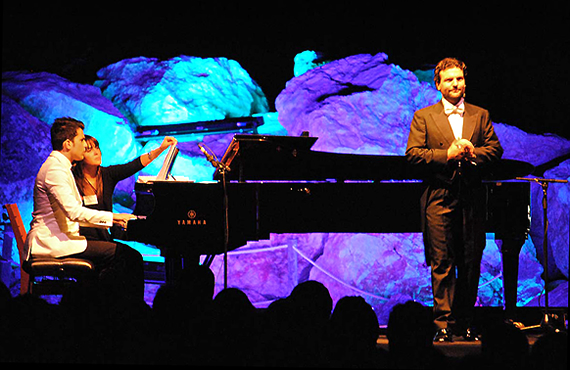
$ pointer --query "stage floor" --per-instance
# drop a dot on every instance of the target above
(529, 317)
(459, 348)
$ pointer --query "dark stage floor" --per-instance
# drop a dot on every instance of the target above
(529, 317)
(460, 348)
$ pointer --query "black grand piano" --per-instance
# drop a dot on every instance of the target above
(277, 184)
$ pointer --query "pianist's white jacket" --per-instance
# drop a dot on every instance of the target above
(58, 212)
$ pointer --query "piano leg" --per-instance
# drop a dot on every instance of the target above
(510, 250)
(173, 268)
(174, 264)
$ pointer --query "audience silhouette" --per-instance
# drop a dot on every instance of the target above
(354, 332)
(550, 352)
(294, 329)
(230, 338)
(503, 346)
(187, 325)
(410, 338)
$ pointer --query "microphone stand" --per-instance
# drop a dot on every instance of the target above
(222, 168)
(550, 322)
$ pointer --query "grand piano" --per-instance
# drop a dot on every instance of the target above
(276, 184)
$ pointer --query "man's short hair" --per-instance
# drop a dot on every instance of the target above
(446, 64)
(62, 129)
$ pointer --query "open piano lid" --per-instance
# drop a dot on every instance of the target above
(267, 157)
(290, 158)
(264, 157)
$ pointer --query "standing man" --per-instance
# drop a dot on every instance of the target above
(449, 143)
(58, 213)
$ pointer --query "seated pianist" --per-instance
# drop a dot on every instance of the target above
(59, 212)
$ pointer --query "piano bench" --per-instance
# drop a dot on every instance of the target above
(54, 275)
(62, 267)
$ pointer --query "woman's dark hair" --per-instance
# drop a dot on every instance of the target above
(80, 180)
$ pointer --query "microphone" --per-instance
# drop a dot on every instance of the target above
(211, 159)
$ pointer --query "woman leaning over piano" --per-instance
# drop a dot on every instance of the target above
(96, 183)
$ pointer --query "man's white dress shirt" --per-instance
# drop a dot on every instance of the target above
(454, 114)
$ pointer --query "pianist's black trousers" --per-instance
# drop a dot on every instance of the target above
(454, 238)
(119, 267)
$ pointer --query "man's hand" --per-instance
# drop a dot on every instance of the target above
(122, 219)
(461, 149)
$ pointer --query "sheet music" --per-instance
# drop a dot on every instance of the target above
(164, 173)
(168, 163)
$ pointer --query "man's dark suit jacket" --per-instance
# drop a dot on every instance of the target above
(430, 137)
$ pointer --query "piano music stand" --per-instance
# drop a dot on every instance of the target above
(550, 322)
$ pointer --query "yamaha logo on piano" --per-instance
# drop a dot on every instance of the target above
(192, 220)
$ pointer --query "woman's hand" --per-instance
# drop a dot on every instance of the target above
(168, 141)
(155, 153)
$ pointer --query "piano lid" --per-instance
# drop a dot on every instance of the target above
(290, 158)
(267, 144)
(267, 157)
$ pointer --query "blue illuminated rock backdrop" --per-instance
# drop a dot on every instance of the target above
(359, 104)
(180, 90)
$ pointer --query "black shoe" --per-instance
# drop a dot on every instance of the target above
(443, 335)
(471, 335)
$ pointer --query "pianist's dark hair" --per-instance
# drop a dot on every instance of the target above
(63, 129)
(82, 183)
(446, 64)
